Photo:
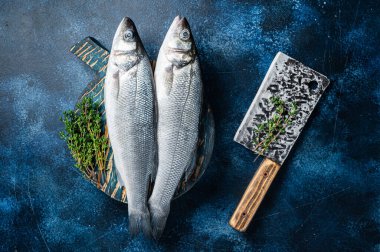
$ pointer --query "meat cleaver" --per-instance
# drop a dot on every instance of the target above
(287, 96)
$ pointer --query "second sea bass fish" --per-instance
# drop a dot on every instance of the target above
(130, 114)
(179, 95)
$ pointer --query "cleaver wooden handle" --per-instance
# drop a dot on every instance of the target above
(254, 194)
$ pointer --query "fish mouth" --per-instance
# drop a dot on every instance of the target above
(181, 21)
(127, 22)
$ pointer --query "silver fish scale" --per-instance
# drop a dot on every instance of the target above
(130, 120)
(179, 115)
(292, 82)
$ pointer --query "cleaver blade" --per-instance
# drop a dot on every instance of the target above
(292, 82)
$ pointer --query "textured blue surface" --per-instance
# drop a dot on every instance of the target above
(326, 195)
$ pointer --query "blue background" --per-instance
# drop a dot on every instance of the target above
(326, 196)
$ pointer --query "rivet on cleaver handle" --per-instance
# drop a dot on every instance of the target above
(290, 81)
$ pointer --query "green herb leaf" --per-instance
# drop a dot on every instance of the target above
(268, 131)
(84, 137)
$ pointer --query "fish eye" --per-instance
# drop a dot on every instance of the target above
(128, 35)
(184, 34)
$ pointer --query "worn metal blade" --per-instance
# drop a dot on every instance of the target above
(291, 81)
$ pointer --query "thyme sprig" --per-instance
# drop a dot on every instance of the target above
(84, 137)
(268, 131)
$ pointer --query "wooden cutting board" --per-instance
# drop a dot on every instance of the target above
(96, 57)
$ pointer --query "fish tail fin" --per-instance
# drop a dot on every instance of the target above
(133, 224)
(158, 218)
(145, 223)
(139, 220)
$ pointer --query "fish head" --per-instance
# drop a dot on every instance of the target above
(127, 48)
(179, 43)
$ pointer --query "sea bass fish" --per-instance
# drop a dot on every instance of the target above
(179, 96)
(130, 114)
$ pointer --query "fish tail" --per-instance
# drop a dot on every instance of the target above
(158, 218)
(139, 220)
